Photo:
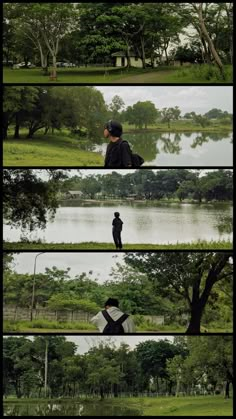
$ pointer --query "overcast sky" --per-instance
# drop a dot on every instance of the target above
(100, 263)
(199, 99)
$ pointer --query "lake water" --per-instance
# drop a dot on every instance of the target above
(180, 149)
(143, 223)
(70, 408)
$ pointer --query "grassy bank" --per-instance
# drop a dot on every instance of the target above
(155, 406)
(59, 149)
(45, 326)
(179, 126)
(201, 245)
(163, 74)
(181, 406)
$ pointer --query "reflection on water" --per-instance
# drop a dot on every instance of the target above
(67, 409)
(144, 222)
(181, 149)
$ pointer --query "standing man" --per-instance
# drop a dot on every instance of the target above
(117, 224)
(112, 320)
(118, 154)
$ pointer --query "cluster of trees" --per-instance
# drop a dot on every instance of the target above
(51, 367)
(88, 32)
(161, 184)
(198, 285)
(145, 113)
(29, 198)
(81, 110)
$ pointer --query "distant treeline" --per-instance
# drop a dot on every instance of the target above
(161, 184)
(83, 111)
(49, 366)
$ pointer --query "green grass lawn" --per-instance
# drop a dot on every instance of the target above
(51, 150)
(156, 406)
(181, 406)
(84, 331)
(192, 74)
(201, 245)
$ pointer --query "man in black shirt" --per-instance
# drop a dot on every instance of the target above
(118, 154)
(116, 230)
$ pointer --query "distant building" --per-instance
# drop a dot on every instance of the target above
(74, 194)
(135, 61)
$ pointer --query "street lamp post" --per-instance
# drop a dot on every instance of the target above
(33, 290)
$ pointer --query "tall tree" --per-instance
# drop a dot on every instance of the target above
(191, 276)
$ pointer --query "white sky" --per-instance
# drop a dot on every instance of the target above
(199, 99)
(100, 263)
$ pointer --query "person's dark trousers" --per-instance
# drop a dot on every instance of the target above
(117, 239)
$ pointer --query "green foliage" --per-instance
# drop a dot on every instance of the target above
(25, 208)
(63, 301)
(141, 113)
(188, 276)
(21, 326)
(109, 369)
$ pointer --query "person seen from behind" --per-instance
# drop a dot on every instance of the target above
(112, 321)
(117, 224)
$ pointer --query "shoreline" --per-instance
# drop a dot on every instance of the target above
(200, 245)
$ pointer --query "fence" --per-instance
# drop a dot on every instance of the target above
(24, 314)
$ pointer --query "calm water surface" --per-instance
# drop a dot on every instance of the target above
(143, 223)
(67, 409)
(181, 149)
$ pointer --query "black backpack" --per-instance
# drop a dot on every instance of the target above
(136, 159)
(114, 327)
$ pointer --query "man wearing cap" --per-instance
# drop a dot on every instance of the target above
(118, 154)
(112, 311)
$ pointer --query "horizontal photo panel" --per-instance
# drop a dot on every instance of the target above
(118, 127)
(131, 43)
(123, 209)
(128, 376)
(110, 293)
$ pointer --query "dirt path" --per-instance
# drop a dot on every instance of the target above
(153, 77)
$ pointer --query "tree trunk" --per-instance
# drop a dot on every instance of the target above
(206, 55)
(227, 390)
(30, 133)
(115, 389)
(44, 60)
(195, 320)
(167, 58)
(54, 67)
(128, 55)
(209, 41)
(177, 387)
(101, 393)
(17, 128)
(46, 369)
(143, 53)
